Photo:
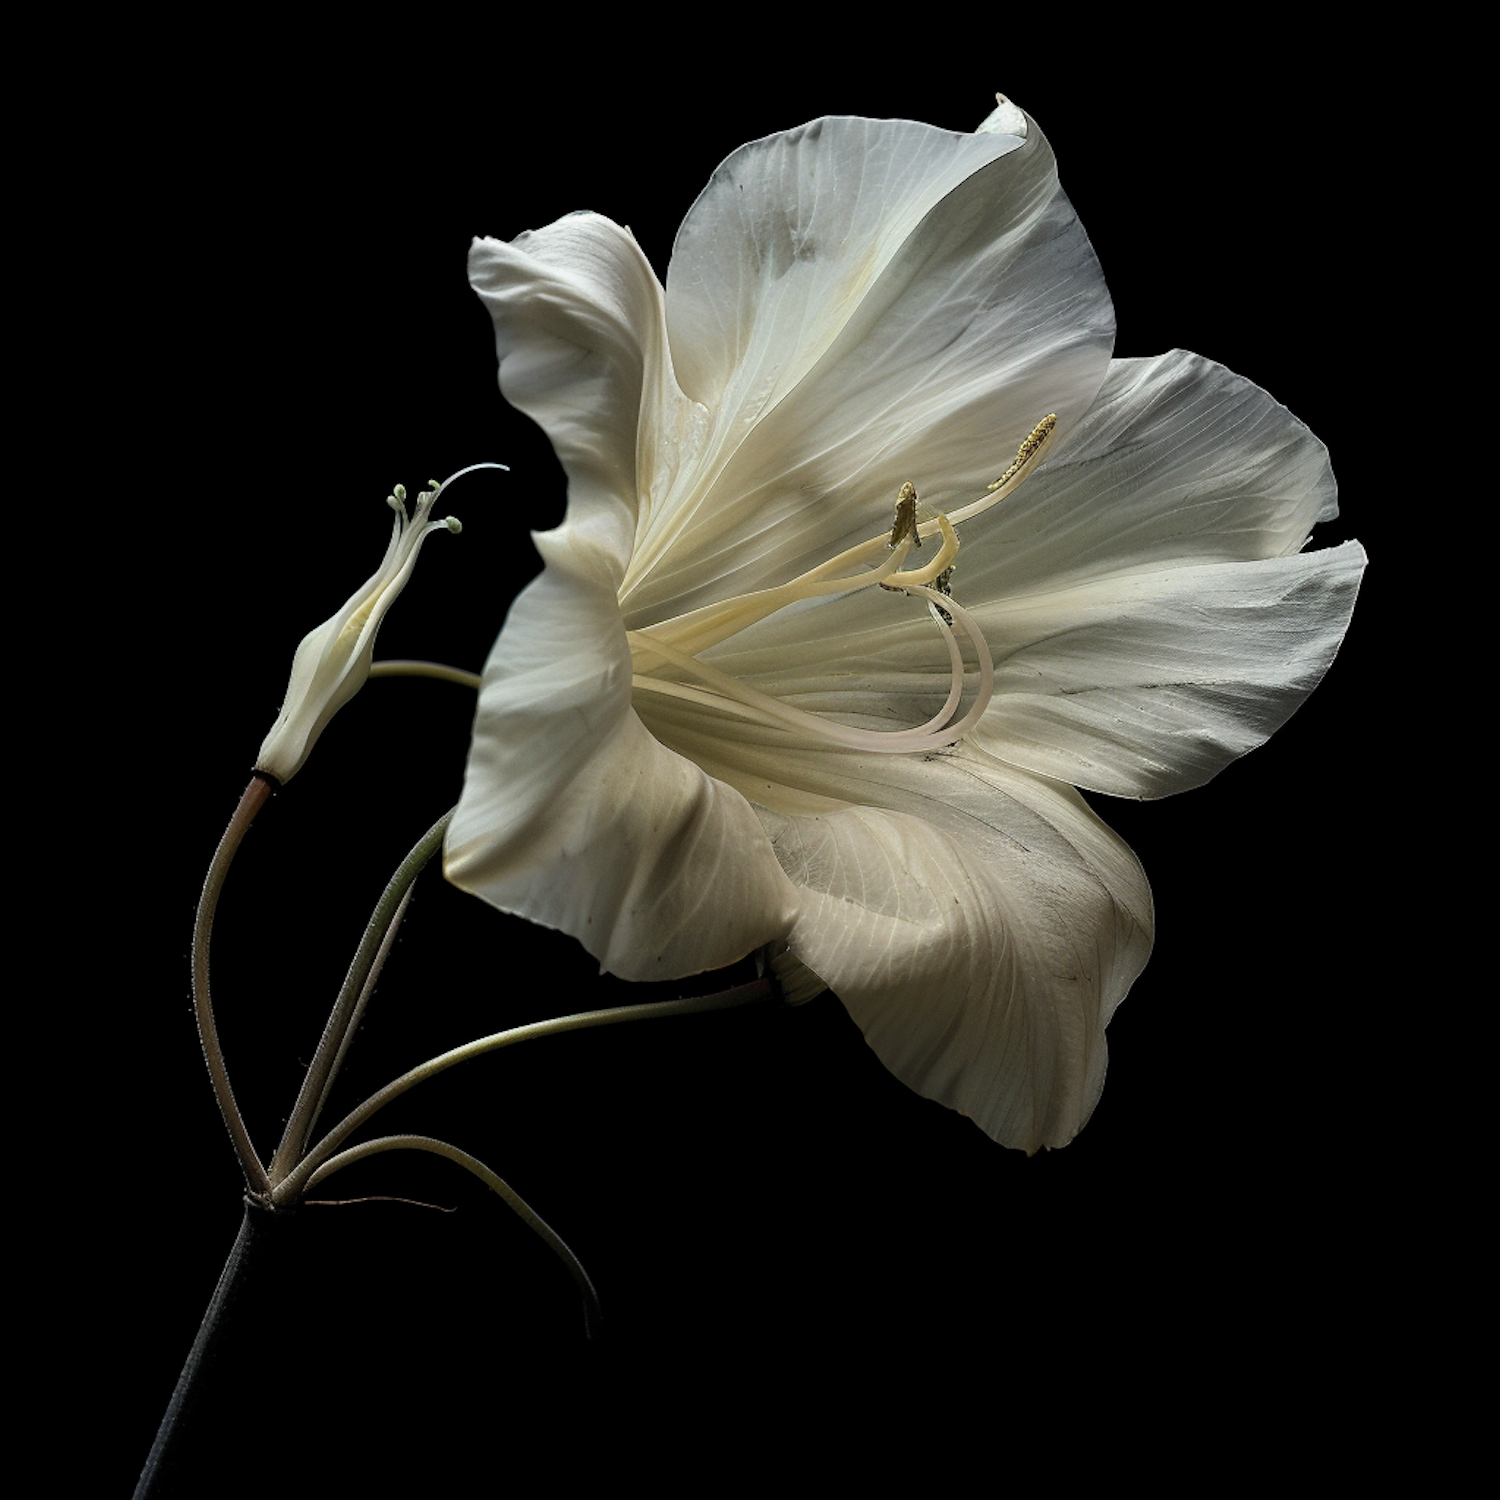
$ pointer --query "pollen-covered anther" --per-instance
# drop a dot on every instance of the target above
(942, 584)
(905, 524)
(943, 562)
(1031, 445)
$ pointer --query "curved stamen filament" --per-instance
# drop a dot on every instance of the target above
(707, 626)
(1028, 456)
(730, 695)
(918, 576)
(701, 628)
(679, 641)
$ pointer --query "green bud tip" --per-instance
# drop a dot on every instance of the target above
(453, 524)
(401, 492)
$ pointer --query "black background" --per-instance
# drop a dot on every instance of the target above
(276, 327)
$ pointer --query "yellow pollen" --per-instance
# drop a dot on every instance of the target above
(1031, 445)
(941, 564)
(905, 524)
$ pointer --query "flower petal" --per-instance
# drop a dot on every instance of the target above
(1178, 462)
(980, 925)
(1148, 612)
(1150, 684)
(859, 303)
(573, 816)
(579, 328)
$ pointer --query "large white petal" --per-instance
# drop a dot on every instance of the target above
(1149, 614)
(856, 304)
(1179, 462)
(980, 925)
(1150, 684)
(580, 332)
(573, 816)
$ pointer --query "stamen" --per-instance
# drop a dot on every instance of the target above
(942, 584)
(681, 640)
(706, 626)
(407, 536)
(1031, 445)
(1028, 456)
(942, 561)
(906, 516)
(736, 697)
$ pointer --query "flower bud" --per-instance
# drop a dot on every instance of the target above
(333, 661)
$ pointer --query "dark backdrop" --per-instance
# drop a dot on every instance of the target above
(279, 328)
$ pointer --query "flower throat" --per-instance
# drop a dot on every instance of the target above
(665, 653)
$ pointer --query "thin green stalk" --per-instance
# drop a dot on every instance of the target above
(290, 1189)
(334, 1044)
(497, 1185)
(386, 944)
(406, 668)
(253, 799)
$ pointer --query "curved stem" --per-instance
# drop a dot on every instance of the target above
(373, 947)
(254, 798)
(407, 668)
(386, 944)
(497, 1185)
(291, 1188)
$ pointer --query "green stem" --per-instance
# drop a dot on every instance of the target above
(350, 1003)
(254, 798)
(425, 669)
(497, 1185)
(386, 944)
(290, 1189)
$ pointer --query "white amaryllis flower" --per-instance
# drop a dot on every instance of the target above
(707, 727)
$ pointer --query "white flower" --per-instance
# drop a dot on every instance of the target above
(333, 661)
(706, 728)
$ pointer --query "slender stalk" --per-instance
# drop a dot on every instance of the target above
(370, 955)
(497, 1185)
(254, 798)
(409, 668)
(177, 1422)
(290, 1189)
(386, 944)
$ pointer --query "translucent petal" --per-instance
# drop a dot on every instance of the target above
(1179, 462)
(573, 816)
(582, 344)
(1151, 684)
(1150, 616)
(857, 304)
(980, 925)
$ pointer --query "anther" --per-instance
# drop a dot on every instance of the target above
(913, 577)
(1031, 445)
(906, 516)
(942, 584)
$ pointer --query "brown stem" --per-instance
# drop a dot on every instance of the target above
(255, 797)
